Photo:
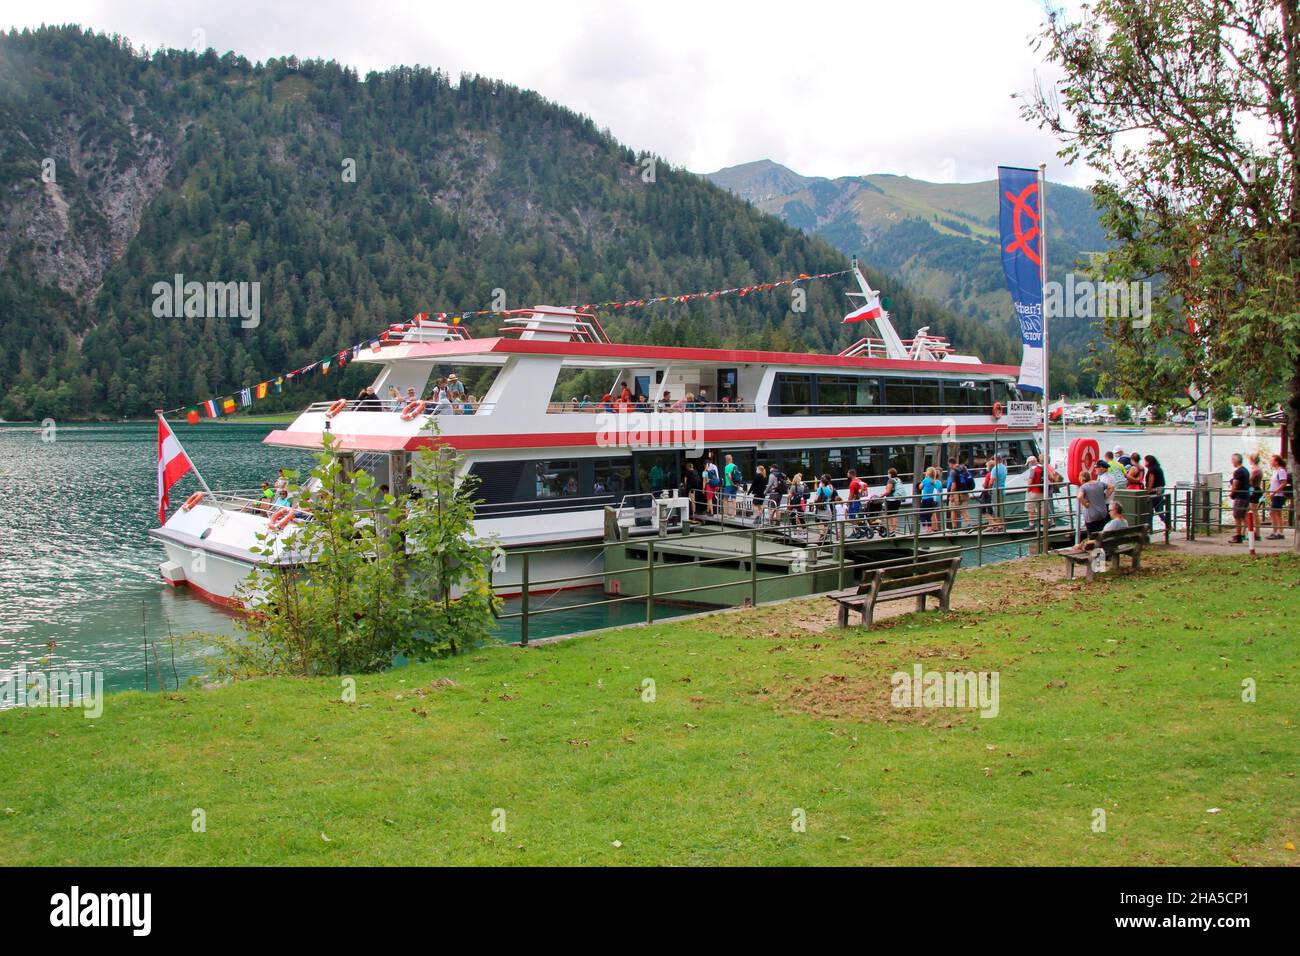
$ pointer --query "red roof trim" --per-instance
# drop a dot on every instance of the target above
(653, 353)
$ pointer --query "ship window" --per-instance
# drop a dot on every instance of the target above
(793, 393)
(795, 462)
(925, 396)
(612, 476)
(556, 479)
(898, 395)
(834, 394)
(497, 481)
(885, 457)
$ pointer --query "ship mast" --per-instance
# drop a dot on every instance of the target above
(894, 347)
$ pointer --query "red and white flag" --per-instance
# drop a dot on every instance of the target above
(1056, 411)
(173, 465)
(872, 310)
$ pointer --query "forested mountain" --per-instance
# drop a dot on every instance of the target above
(119, 170)
(938, 239)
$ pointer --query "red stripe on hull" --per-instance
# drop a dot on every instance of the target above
(230, 604)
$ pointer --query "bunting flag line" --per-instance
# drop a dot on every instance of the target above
(216, 407)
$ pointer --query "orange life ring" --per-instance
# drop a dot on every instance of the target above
(412, 410)
(998, 410)
(193, 500)
(1083, 454)
(281, 518)
(337, 407)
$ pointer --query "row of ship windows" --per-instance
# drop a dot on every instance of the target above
(571, 478)
(800, 393)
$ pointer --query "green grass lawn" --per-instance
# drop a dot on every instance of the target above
(1123, 696)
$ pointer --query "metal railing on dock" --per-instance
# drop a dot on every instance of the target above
(827, 545)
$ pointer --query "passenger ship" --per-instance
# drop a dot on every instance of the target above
(547, 468)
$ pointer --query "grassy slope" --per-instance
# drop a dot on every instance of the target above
(1144, 720)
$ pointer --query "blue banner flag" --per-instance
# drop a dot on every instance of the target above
(1022, 249)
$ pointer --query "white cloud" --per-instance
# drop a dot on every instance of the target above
(827, 89)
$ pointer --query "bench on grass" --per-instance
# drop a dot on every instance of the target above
(918, 580)
(1114, 544)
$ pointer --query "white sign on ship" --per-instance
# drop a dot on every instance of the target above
(1024, 414)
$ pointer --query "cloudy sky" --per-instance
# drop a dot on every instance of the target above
(923, 89)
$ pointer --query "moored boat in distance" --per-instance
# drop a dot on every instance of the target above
(546, 469)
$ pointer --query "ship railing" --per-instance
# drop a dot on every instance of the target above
(388, 406)
(816, 544)
(648, 408)
(821, 408)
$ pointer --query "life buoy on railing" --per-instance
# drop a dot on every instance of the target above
(998, 410)
(193, 500)
(281, 518)
(412, 409)
(1083, 454)
(337, 407)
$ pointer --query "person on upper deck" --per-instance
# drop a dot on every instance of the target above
(703, 399)
(455, 387)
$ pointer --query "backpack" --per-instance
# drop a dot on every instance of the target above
(782, 483)
(965, 480)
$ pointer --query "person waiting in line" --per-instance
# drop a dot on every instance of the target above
(998, 489)
(1257, 490)
(798, 498)
(959, 485)
(1240, 494)
(1094, 499)
(1155, 485)
(1034, 491)
(856, 485)
(732, 477)
(712, 484)
(931, 488)
(757, 492)
(692, 487)
(893, 495)
(1277, 498)
(1135, 478)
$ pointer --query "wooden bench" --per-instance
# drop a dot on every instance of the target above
(918, 580)
(1115, 544)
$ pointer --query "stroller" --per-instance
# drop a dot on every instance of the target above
(868, 520)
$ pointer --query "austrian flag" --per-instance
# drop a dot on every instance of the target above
(173, 465)
(871, 311)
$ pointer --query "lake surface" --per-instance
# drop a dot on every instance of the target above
(79, 583)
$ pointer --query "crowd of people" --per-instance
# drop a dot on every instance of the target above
(945, 499)
(628, 401)
(1247, 493)
(448, 396)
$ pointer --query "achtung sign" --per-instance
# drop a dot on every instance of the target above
(1024, 414)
